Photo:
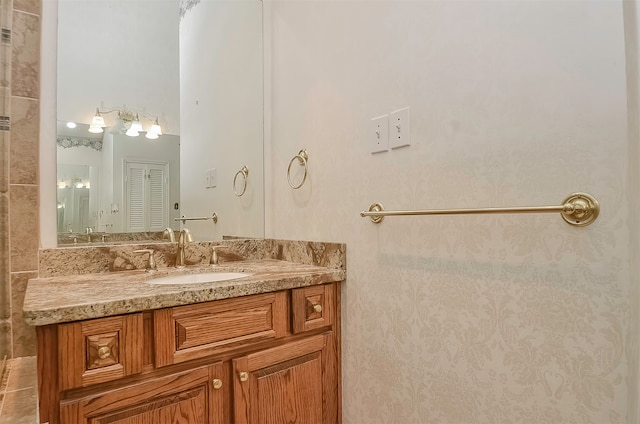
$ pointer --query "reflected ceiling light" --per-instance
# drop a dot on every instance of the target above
(136, 127)
(126, 120)
(97, 123)
(155, 131)
(71, 125)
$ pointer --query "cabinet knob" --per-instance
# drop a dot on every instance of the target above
(104, 352)
(317, 308)
(217, 383)
(244, 376)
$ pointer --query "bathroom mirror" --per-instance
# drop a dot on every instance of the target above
(125, 58)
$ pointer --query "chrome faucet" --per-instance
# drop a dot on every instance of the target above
(184, 236)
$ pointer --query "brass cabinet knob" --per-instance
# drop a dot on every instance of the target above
(244, 376)
(104, 352)
(317, 308)
(217, 383)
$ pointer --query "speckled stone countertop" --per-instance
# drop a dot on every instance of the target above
(59, 299)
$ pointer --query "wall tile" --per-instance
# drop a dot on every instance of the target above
(31, 6)
(5, 339)
(20, 407)
(5, 286)
(25, 55)
(5, 13)
(24, 141)
(24, 233)
(24, 335)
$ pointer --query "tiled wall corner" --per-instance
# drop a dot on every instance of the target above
(25, 55)
(24, 335)
(23, 217)
(24, 141)
(19, 163)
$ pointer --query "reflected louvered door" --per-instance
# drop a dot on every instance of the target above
(135, 195)
(146, 196)
(157, 198)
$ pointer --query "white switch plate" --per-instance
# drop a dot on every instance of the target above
(213, 179)
(378, 134)
(399, 129)
(206, 179)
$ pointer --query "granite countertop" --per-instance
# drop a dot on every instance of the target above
(54, 300)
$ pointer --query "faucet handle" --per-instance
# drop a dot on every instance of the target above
(151, 265)
(169, 234)
(214, 254)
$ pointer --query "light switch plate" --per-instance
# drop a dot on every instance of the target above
(378, 134)
(213, 178)
(399, 129)
(206, 179)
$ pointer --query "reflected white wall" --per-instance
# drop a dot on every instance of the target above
(221, 108)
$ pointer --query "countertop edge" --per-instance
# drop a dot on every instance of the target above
(195, 293)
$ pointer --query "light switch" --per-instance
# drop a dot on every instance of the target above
(206, 179)
(378, 134)
(213, 179)
(399, 129)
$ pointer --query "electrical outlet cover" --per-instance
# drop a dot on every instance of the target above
(378, 134)
(399, 129)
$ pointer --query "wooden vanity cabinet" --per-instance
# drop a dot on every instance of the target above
(190, 397)
(265, 358)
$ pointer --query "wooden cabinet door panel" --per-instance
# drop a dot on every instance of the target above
(189, 332)
(284, 384)
(100, 350)
(290, 392)
(312, 307)
(183, 398)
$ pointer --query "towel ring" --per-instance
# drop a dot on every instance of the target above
(245, 174)
(302, 157)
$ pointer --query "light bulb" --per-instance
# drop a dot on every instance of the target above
(95, 129)
(98, 120)
(155, 128)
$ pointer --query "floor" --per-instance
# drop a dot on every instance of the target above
(19, 391)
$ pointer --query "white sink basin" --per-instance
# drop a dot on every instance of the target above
(206, 277)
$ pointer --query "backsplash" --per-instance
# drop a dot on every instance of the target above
(113, 258)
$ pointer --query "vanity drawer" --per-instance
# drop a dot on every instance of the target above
(100, 350)
(189, 332)
(312, 307)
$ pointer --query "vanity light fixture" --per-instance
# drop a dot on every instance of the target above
(126, 120)
(97, 123)
(155, 131)
(136, 127)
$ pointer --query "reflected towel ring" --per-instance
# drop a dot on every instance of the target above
(245, 174)
(302, 157)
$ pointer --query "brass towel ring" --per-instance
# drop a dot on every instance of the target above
(245, 173)
(302, 157)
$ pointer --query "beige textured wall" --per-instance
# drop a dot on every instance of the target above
(492, 319)
(20, 93)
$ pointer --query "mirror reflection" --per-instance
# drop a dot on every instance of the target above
(112, 183)
(116, 70)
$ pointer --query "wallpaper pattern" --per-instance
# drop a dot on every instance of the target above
(464, 319)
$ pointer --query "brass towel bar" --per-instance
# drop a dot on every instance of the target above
(578, 209)
(184, 219)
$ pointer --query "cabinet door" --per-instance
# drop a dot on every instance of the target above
(285, 384)
(190, 397)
